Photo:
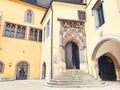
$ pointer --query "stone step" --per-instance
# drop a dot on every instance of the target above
(73, 77)
(74, 71)
(76, 84)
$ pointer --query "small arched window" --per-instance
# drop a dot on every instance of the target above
(29, 16)
(1, 67)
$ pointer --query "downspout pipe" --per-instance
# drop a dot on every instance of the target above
(118, 5)
(51, 42)
(86, 2)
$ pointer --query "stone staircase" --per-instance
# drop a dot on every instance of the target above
(75, 79)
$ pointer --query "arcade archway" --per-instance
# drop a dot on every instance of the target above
(106, 68)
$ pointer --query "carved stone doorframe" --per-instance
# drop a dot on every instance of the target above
(72, 31)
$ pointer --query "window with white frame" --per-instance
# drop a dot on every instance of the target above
(44, 34)
(98, 13)
(20, 32)
(35, 34)
(40, 36)
(15, 31)
(48, 29)
(1, 67)
(0, 17)
(81, 15)
(29, 16)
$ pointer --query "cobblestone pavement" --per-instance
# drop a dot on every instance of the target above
(39, 85)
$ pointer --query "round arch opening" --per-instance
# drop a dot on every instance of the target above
(44, 70)
(72, 56)
(106, 68)
(108, 47)
(22, 71)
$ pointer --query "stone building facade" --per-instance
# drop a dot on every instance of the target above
(50, 39)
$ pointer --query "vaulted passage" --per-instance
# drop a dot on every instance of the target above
(106, 68)
(72, 56)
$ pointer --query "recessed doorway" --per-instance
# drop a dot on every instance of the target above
(106, 68)
(72, 56)
(22, 71)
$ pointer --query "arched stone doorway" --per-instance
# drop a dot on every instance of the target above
(108, 47)
(72, 34)
(72, 56)
(22, 71)
(44, 71)
(106, 68)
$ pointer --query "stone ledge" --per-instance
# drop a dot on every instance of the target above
(6, 79)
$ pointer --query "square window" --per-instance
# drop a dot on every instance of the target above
(81, 15)
(98, 13)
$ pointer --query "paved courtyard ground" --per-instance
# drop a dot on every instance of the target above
(39, 85)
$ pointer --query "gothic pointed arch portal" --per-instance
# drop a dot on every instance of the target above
(106, 68)
(22, 71)
(72, 56)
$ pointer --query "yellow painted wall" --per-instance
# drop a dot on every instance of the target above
(13, 50)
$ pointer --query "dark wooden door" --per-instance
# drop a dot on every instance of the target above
(106, 68)
(72, 56)
(68, 55)
(75, 56)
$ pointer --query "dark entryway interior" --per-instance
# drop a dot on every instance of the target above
(22, 71)
(44, 71)
(72, 56)
(106, 68)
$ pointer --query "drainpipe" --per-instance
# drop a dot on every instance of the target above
(85, 2)
(51, 42)
(118, 5)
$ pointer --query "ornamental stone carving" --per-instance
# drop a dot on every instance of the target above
(72, 29)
